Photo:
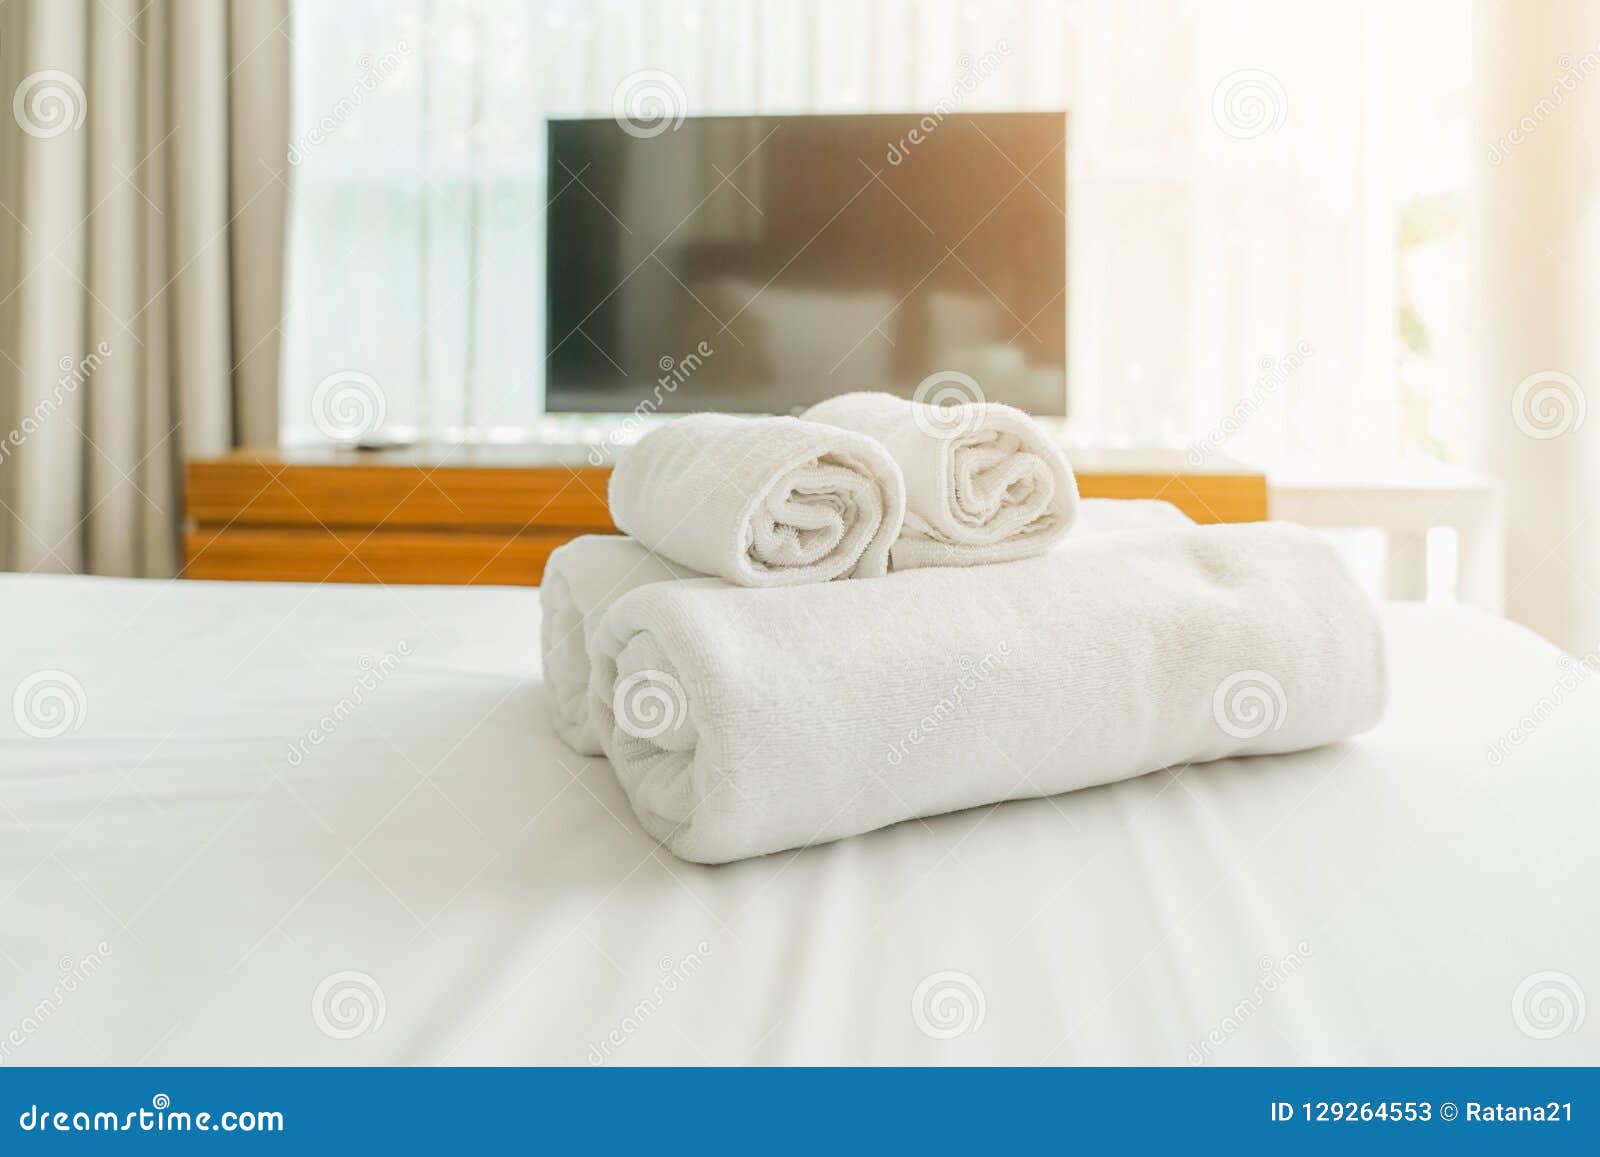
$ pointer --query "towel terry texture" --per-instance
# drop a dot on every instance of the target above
(984, 483)
(761, 502)
(585, 576)
(581, 580)
(738, 728)
(1105, 515)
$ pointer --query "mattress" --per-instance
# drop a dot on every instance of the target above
(251, 823)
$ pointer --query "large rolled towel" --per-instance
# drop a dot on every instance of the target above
(984, 483)
(744, 722)
(761, 502)
(581, 580)
(1108, 515)
(585, 576)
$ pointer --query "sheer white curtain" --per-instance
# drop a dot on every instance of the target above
(1233, 178)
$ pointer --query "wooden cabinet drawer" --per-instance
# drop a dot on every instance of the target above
(251, 492)
(359, 556)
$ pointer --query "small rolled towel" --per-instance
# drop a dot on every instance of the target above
(761, 502)
(736, 728)
(581, 580)
(983, 482)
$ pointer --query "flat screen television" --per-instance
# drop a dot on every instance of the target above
(762, 263)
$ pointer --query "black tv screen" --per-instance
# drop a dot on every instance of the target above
(763, 263)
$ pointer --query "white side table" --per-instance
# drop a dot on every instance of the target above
(1406, 501)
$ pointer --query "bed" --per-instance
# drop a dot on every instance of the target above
(257, 823)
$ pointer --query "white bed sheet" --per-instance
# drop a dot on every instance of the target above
(1410, 900)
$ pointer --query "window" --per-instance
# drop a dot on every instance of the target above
(1265, 221)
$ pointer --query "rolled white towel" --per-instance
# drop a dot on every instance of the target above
(736, 728)
(761, 502)
(581, 580)
(983, 482)
(584, 577)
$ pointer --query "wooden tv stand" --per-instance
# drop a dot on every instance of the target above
(493, 513)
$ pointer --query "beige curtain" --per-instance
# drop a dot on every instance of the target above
(1536, 81)
(143, 153)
